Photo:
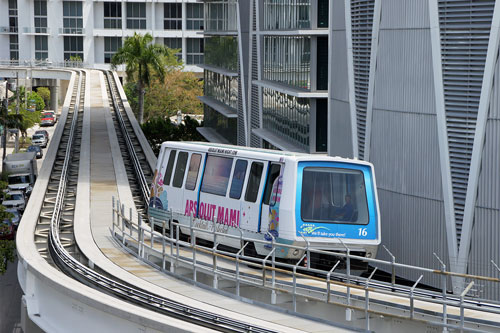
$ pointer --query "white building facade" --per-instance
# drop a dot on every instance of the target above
(56, 30)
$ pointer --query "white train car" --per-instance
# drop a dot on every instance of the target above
(292, 196)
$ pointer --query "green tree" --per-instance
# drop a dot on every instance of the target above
(161, 129)
(44, 93)
(178, 91)
(7, 247)
(33, 97)
(7, 253)
(144, 60)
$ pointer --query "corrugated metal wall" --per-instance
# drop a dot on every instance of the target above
(485, 244)
(340, 143)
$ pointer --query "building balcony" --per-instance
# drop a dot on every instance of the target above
(220, 107)
(8, 30)
(71, 31)
(36, 31)
(289, 90)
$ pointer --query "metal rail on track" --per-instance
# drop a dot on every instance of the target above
(139, 173)
(77, 270)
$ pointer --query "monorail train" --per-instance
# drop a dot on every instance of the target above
(294, 197)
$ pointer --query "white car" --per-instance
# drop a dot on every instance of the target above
(15, 199)
(39, 139)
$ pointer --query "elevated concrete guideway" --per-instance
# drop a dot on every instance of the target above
(55, 299)
(55, 302)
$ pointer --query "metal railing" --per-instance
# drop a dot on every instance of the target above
(34, 63)
(71, 31)
(36, 30)
(168, 246)
(143, 184)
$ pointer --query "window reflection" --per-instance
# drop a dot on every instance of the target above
(221, 87)
(222, 51)
(287, 60)
(286, 116)
(227, 127)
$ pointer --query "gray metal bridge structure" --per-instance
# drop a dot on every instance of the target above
(89, 260)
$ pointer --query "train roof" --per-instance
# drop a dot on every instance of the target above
(250, 152)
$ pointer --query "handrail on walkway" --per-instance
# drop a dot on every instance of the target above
(168, 245)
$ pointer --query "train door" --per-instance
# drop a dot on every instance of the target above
(175, 191)
(251, 203)
(271, 200)
(191, 185)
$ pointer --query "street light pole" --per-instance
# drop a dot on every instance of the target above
(6, 104)
(16, 145)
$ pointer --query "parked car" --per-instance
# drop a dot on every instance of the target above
(16, 218)
(15, 199)
(39, 139)
(47, 121)
(7, 230)
(37, 150)
(44, 132)
(50, 114)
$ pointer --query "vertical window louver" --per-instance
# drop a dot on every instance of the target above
(464, 30)
(362, 24)
(254, 94)
(241, 119)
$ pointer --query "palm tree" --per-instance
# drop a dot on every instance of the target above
(144, 60)
(8, 121)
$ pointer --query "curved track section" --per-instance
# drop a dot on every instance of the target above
(53, 298)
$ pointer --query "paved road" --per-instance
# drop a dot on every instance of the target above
(10, 300)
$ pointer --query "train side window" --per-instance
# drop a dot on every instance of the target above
(254, 182)
(216, 175)
(170, 167)
(194, 167)
(180, 169)
(271, 177)
(240, 171)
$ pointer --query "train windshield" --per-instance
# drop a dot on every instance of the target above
(333, 195)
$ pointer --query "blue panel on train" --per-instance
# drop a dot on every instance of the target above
(335, 200)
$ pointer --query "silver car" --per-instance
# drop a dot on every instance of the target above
(15, 199)
(39, 139)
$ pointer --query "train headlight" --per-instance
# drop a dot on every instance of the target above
(296, 252)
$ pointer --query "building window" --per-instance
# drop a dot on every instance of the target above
(111, 46)
(194, 17)
(286, 116)
(174, 43)
(323, 13)
(287, 60)
(13, 16)
(220, 15)
(172, 13)
(136, 15)
(287, 14)
(226, 127)
(41, 47)
(14, 47)
(194, 54)
(222, 88)
(72, 17)
(321, 125)
(40, 16)
(221, 51)
(112, 15)
(73, 47)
